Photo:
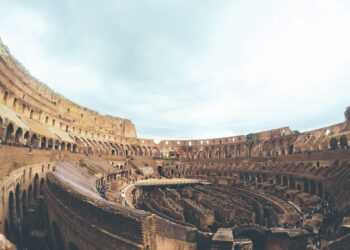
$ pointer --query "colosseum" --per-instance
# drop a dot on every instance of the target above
(74, 179)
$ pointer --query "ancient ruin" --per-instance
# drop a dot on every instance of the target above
(74, 179)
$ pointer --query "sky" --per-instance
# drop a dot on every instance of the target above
(190, 69)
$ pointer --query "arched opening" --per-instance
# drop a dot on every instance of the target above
(36, 186)
(312, 187)
(343, 141)
(285, 181)
(6, 94)
(69, 147)
(63, 146)
(258, 238)
(75, 148)
(58, 240)
(26, 138)
(18, 135)
(160, 170)
(30, 194)
(12, 218)
(290, 149)
(144, 151)
(333, 144)
(24, 203)
(72, 246)
(14, 103)
(18, 202)
(7, 230)
(42, 185)
(50, 144)
(34, 140)
(57, 145)
(9, 132)
(291, 182)
(43, 142)
(320, 189)
(11, 212)
(113, 151)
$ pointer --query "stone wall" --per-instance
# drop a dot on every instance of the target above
(112, 218)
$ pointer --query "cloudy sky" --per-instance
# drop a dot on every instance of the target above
(190, 69)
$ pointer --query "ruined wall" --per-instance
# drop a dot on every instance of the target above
(27, 95)
(123, 228)
(174, 236)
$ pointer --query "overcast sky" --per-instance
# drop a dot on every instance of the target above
(190, 69)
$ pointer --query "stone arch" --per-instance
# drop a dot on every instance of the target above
(36, 186)
(57, 236)
(75, 148)
(127, 150)
(26, 137)
(50, 144)
(18, 135)
(238, 150)
(9, 132)
(290, 149)
(43, 142)
(254, 232)
(312, 187)
(57, 144)
(69, 147)
(33, 140)
(42, 186)
(160, 170)
(30, 194)
(14, 104)
(63, 146)
(333, 144)
(24, 203)
(156, 152)
(11, 216)
(343, 141)
(18, 199)
(144, 150)
(6, 94)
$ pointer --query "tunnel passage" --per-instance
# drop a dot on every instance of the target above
(258, 238)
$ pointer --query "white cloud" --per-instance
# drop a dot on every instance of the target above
(181, 70)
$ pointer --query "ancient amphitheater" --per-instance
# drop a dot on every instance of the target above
(74, 179)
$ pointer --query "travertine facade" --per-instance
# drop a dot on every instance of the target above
(72, 179)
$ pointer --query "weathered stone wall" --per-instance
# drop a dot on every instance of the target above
(29, 96)
(120, 227)
(173, 236)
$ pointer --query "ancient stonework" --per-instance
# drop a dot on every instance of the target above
(71, 178)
